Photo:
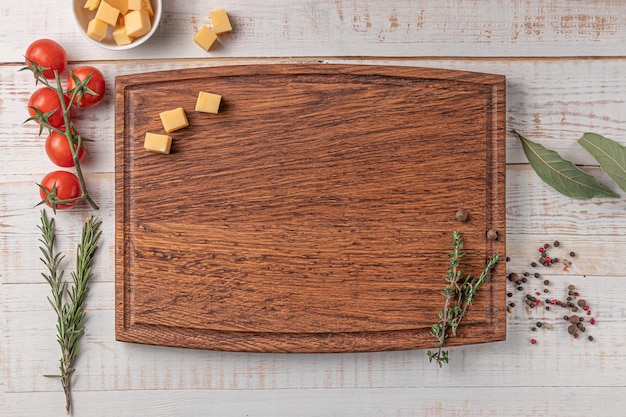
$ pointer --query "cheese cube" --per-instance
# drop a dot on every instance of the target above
(174, 119)
(147, 6)
(121, 5)
(134, 4)
(137, 23)
(97, 29)
(92, 4)
(157, 143)
(205, 38)
(107, 13)
(208, 103)
(220, 21)
(121, 36)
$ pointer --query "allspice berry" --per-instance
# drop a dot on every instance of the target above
(492, 234)
(461, 216)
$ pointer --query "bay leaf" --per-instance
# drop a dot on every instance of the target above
(563, 175)
(610, 155)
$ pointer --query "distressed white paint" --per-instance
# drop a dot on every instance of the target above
(566, 74)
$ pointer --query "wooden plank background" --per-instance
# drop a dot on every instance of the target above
(566, 75)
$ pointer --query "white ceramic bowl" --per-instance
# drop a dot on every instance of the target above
(83, 16)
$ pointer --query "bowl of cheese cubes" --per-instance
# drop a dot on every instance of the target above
(118, 24)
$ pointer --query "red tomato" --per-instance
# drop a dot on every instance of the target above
(46, 100)
(58, 150)
(96, 83)
(67, 187)
(47, 53)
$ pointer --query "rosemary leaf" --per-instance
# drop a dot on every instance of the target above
(67, 302)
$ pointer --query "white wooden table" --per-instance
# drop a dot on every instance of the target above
(566, 75)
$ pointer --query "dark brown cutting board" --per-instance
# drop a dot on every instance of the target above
(312, 214)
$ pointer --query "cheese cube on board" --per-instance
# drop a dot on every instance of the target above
(208, 103)
(107, 13)
(205, 38)
(97, 29)
(137, 23)
(220, 21)
(154, 142)
(174, 119)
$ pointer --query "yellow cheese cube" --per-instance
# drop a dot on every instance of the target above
(107, 13)
(121, 5)
(174, 119)
(208, 103)
(147, 6)
(134, 4)
(97, 29)
(205, 38)
(157, 143)
(137, 23)
(92, 4)
(121, 36)
(220, 21)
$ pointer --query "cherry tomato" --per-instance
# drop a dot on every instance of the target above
(58, 150)
(67, 187)
(96, 83)
(46, 100)
(47, 53)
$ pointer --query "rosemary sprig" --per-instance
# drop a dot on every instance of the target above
(75, 141)
(68, 303)
(459, 294)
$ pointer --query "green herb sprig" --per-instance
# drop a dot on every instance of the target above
(459, 293)
(68, 303)
(75, 141)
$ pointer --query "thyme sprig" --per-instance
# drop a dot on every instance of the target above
(68, 303)
(75, 140)
(459, 293)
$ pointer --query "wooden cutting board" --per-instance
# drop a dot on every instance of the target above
(312, 214)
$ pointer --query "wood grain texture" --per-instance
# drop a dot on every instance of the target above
(317, 201)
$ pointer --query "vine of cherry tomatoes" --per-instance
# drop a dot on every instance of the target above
(46, 53)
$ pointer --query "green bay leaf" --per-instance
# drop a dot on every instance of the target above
(563, 175)
(610, 155)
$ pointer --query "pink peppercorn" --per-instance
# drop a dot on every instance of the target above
(592, 321)
(533, 341)
(541, 250)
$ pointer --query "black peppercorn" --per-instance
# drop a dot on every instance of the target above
(566, 318)
(509, 294)
(526, 274)
(537, 274)
(513, 277)
(512, 305)
(520, 288)
(546, 282)
(572, 254)
(524, 280)
(556, 243)
(590, 338)
(546, 290)
(539, 324)
(533, 264)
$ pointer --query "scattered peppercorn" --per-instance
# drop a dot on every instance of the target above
(546, 282)
(492, 234)
(539, 324)
(572, 254)
(533, 264)
(590, 338)
(592, 321)
(581, 303)
(511, 304)
(461, 216)
(556, 243)
(537, 275)
(533, 341)
(571, 287)
(509, 294)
